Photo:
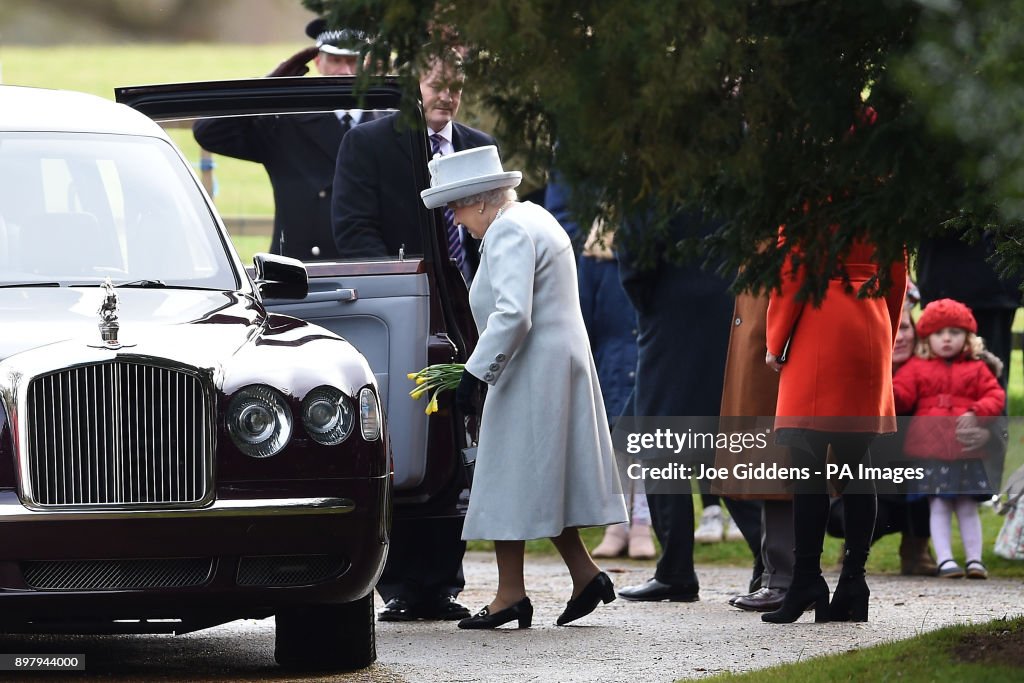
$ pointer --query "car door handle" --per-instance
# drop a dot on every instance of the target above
(339, 295)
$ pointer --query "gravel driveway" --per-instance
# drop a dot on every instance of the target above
(636, 642)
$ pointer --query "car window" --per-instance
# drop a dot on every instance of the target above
(76, 208)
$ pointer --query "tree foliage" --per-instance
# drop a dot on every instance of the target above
(801, 113)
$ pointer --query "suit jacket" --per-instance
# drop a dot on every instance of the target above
(376, 207)
(299, 153)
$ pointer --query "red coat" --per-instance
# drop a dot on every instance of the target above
(937, 392)
(838, 376)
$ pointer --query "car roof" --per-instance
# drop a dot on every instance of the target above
(39, 109)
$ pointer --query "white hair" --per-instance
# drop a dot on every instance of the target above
(491, 197)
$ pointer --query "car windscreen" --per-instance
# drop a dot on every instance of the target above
(76, 208)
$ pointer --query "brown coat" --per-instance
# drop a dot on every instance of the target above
(838, 376)
(750, 392)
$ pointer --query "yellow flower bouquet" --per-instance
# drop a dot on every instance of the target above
(434, 379)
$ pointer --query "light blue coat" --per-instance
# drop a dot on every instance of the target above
(545, 459)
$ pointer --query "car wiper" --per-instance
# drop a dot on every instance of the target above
(144, 284)
(7, 285)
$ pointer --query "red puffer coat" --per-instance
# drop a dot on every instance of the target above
(937, 392)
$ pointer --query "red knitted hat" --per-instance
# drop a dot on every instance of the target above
(945, 313)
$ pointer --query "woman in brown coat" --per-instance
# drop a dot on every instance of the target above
(835, 389)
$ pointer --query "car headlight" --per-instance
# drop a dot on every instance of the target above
(326, 415)
(369, 415)
(259, 421)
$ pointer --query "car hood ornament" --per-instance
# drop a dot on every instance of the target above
(107, 311)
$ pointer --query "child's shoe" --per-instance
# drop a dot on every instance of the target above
(950, 570)
(976, 570)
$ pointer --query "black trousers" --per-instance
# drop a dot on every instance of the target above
(672, 519)
(424, 560)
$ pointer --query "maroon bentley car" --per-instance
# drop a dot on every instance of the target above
(183, 443)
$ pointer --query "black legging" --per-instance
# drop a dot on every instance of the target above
(811, 503)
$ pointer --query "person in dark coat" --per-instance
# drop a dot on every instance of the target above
(298, 150)
(949, 268)
(372, 213)
(377, 211)
(672, 301)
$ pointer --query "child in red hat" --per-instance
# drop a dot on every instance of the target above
(951, 393)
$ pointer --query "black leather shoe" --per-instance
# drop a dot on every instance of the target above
(656, 591)
(764, 600)
(521, 611)
(443, 608)
(599, 589)
(398, 609)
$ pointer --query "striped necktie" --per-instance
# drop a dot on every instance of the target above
(455, 250)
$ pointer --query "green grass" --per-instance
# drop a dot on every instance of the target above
(925, 658)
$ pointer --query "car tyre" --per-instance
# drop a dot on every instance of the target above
(327, 637)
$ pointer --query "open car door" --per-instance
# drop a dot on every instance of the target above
(402, 312)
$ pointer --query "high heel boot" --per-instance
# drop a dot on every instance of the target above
(850, 600)
(803, 593)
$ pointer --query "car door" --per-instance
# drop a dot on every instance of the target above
(401, 312)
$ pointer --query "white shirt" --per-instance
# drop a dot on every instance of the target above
(355, 114)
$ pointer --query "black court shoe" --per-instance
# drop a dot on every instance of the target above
(522, 610)
(599, 589)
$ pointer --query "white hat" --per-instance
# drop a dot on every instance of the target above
(466, 173)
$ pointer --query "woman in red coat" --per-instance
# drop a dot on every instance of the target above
(950, 390)
(835, 389)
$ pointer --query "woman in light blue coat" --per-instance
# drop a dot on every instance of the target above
(545, 465)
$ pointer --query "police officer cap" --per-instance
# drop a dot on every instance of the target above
(343, 41)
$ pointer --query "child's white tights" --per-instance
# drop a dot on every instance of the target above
(941, 523)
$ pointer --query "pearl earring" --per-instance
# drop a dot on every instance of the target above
(482, 207)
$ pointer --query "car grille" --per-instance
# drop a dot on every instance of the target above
(117, 574)
(119, 433)
(289, 570)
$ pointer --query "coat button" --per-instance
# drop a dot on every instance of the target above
(322, 194)
(738, 322)
(488, 376)
(494, 366)
(632, 374)
(634, 331)
(500, 358)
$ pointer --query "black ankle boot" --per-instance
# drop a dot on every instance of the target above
(801, 596)
(522, 610)
(850, 601)
(599, 589)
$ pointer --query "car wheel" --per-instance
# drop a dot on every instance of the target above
(322, 637)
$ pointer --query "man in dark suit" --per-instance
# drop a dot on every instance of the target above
(671, 300)
(299, 150)
(377, 212)
(374, 214)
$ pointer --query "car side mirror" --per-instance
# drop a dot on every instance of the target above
(280, 277)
